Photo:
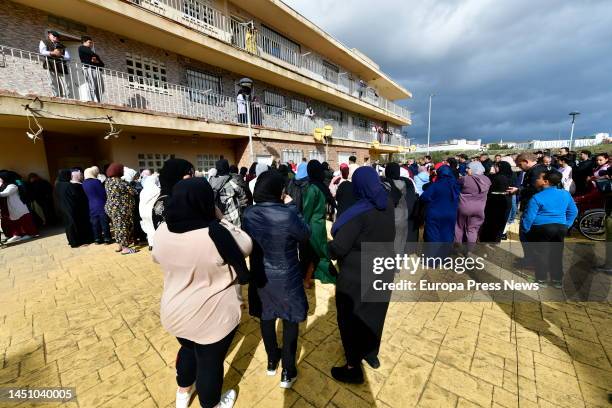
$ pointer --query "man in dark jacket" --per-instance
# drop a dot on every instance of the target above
(528, 163)
(582, 171)
(486, 162)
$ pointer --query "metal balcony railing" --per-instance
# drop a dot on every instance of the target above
(30, 73)
(210, 21)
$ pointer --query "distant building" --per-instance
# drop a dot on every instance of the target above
(596, 139)
(451, 145)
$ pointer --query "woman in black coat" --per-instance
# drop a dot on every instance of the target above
(277, 289)
(499, 203)
(74, 208)
(370, 220)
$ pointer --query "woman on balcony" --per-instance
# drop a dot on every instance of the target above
(119, 206)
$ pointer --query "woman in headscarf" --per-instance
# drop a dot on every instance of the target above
(441, 199)
(120, 203)
(499, 203)
(259, 168)
(174, 170)
(96, 196)
(17, 221)
(404, 198)
(315, 198)
(74, 208)
(203, 263)
(277, 289)
(148, 196)
(251, 174)
(230, 197)
(472, 201)
(421, 178)
(130, 176)
(370, 219)
(336, 181)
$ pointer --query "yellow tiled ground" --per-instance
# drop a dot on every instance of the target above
(89, 318)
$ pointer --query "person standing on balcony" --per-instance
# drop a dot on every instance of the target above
(363, 87)
(242, 101)
(93, 87)
(56, 62)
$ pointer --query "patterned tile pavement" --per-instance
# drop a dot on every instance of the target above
(89, 318)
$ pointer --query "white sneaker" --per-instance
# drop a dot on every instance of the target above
(286, 380)
(227, 399)
(183, 398)
(14, 238)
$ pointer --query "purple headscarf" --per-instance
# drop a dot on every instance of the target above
(368, 191)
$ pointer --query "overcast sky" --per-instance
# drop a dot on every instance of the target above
(510, 69)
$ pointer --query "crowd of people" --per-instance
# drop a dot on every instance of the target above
(201, 228)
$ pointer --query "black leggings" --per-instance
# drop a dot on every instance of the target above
(549, 249)
(290, 336)
(203, 364)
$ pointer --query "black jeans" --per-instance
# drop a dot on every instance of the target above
(203, 364)
(549, 250)
(100, 227)
(290, 336)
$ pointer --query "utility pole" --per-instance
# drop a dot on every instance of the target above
(573, 115)
(429, 123)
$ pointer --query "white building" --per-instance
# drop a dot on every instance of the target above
(451, 145)
(593, 140)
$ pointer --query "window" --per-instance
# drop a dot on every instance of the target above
(279, 46)
(153, 161)
(145, 73)
(298, 106)
(295, 155)
(317, 155)
(333, 114)
(362, 123)
(330, 72)
(275, 103)
(204, 88)
(199, 11)
(205, 162)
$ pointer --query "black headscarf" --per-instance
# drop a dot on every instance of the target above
(504, 169)
(243, 172)
(173, 171)
(64, 176)
(252, 169)
(233, 169)
(191, 207)
(316, 175)
(223, 167)
(392, 171)
(7, 178)
(269, 187)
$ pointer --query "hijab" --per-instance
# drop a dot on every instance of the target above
(192, 206)
(173, 171)
(504, 168)
(233, 169)
(223, 167)
(344, 171)
(316, 176)
(477, 168)
(64, 176)
(91, 173)
(392, 171)
(7, 178)
(446, 176)
(302, 171)
(369, 193)
(269, 187)
(114, 170)
(129, 174)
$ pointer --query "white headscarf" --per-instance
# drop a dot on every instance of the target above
(149, 194)
(477, 168)
(129, 174)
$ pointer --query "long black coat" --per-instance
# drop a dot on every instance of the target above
(74, 208)
(361, 324)
(277, 288)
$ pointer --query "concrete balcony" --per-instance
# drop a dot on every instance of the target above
(31, 74)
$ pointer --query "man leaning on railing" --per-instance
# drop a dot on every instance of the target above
(56, 62)
(93, 87)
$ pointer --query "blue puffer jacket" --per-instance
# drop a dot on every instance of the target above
(277, 288)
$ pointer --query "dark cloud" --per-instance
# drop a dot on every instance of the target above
(510, 69)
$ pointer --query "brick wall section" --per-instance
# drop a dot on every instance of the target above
(24, 27)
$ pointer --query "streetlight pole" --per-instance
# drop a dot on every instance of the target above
(573, 115)
(429, 123)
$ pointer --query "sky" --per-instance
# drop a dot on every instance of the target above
(499, 69)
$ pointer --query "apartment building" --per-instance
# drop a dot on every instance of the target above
(198, 79)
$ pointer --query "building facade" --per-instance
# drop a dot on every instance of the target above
(173, 72)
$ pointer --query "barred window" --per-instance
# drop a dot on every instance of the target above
(146, 73)
(317, 155)
(275, 103)
(333, 114)
(363, 123)
(298, 106)
(279, 46)
(198, 10)
(295, 155)
(153, 161)
(204, 88)
(205, 162)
